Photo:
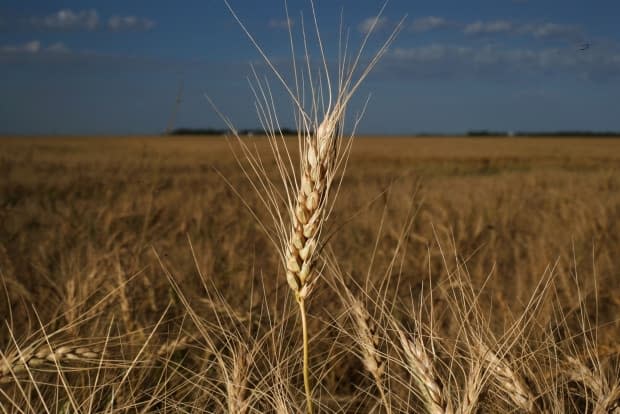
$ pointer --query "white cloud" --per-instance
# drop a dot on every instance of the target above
(34, 47)
(281, 24)
(496, 26)
(537, 30)
(544, 30)
(496, 61)
(67, 19)
(58, 47)
(472, 56)
(120, 23)
(30, 47)
(373, 23)
(425, 54)
(424, 24)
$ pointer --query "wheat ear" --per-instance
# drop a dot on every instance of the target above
(236, 379)
(474, 385)
(420, 366)
(321, 152)
(368, 340)
(607, 396)
(168, 348)
(515, 386)
(22, 361)
(308, 211)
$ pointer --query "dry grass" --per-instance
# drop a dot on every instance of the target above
(136, 248)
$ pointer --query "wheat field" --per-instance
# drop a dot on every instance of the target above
(459, 275)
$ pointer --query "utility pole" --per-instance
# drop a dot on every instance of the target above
(175, 108)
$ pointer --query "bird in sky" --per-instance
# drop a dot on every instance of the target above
(584, 46)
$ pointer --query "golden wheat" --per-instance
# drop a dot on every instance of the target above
(512, 384)
(420, 366)
(27, 359)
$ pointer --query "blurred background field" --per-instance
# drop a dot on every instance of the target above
(97, 232)
(513, 208)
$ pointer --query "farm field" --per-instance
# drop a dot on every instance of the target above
(141, 256)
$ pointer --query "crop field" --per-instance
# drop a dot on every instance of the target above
(456, 275)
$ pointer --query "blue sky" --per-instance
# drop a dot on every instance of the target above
(114, 67)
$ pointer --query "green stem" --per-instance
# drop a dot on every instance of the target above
(304, 329)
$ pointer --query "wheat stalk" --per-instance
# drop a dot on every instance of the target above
(320, 158)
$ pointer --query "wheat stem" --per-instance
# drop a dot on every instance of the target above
(306, 368)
